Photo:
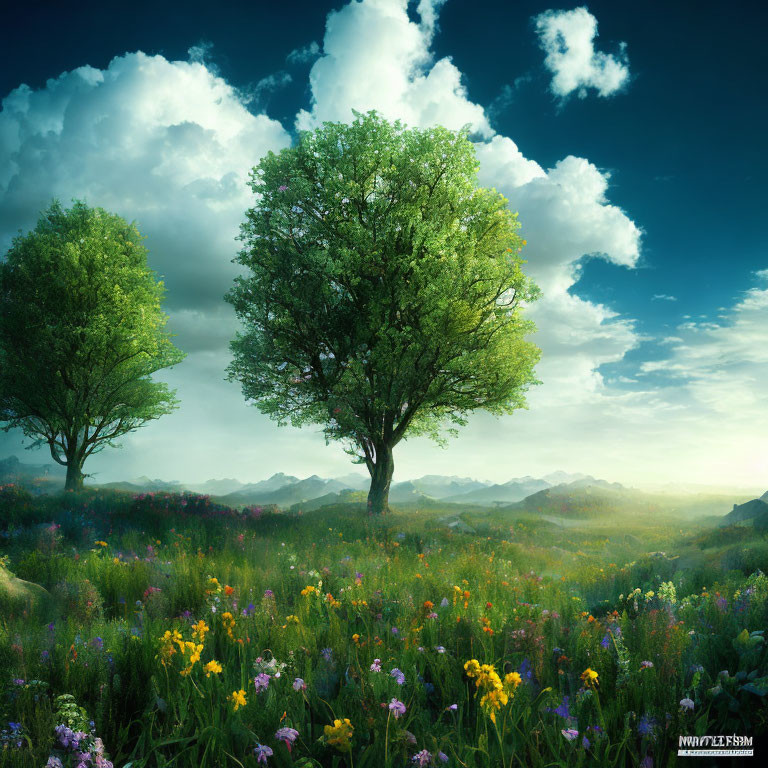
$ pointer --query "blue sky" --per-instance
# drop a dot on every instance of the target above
(630, 137)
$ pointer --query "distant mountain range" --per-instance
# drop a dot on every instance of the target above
(290, 491)
(558, 493)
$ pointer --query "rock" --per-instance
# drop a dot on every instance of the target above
(17, 595)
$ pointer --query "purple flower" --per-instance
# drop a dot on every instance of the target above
(54, 762)
(262, 752)
(646, 665)
(395, 631)
(398, 675)
(605, 642)
(440, 649)
(261, 681)
(267, 593)
(376, 666)
(585, 742)
(570, 733)
(722, 603)
(444, 603)
(97, 643)
(18, 681)
(299, 685)
(646, 725)
(358, 575)
(687, 704)
(442, 757)
(288, 735)
(562, 709)
(422, 758)
(327, 654)
(646, 762)
(282, 188)
(397, 708)
(452, 707)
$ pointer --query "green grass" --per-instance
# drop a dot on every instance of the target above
(545, 597)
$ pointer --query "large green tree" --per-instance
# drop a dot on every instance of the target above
(81, 332)
(384, 293)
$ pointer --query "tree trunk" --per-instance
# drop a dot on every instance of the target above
(381, 478)
(75, 476)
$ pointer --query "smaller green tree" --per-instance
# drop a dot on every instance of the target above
(81, 332)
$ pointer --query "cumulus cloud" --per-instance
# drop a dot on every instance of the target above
(375, 57)
(168, 144)
(568, 39)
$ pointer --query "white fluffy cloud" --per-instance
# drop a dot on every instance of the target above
(568, 39)
(374, 57)
(168, 144)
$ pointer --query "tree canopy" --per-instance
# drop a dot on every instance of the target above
(81, 332)
(384, 290)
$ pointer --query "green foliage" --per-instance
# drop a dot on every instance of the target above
(81, 332)
(384, 294)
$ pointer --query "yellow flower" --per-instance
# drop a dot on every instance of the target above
(199, 630)
(228, 620)
(166, 645)
(194, 656)
(355, 638)
(339, 734)
(513, 679)
(238, 699)
(488, 678)
(101, 543)
(308, 590)
(589, 677)
(493, 700)
(212, 668)
(472, 668)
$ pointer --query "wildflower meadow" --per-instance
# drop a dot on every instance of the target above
(169, 630)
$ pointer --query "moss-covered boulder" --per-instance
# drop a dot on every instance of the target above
(18, 596)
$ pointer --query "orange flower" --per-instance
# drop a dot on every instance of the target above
(228, 590)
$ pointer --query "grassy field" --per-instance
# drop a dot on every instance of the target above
(183, 633)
